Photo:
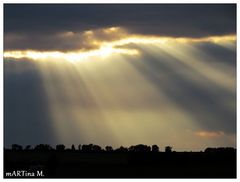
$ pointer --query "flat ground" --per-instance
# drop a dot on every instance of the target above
(77, 164)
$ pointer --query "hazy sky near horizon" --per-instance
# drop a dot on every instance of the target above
(120, 75)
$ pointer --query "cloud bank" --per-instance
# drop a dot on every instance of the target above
(64, 27)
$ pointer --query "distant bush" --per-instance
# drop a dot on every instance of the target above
(121, 149)
(168, 149)
(43, 147)
(155, 148)
(108, 148)
(60, 147)
(139, 148)
(219, 150)
(16, 147)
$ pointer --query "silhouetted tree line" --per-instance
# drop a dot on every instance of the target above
(220, 150)
(97, 148)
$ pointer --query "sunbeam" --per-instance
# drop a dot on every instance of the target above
(138, 89)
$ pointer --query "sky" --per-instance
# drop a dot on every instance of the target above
(120, 75)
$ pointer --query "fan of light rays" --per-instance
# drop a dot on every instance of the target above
(116, 96)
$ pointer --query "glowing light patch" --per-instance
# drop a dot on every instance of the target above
(207, 134)
(69, 56)
(108, 48)
(162, 40)
(111, 29)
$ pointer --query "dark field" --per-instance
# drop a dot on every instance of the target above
(79, 164)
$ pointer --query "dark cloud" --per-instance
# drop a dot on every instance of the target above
(63, 41)
(32, 25)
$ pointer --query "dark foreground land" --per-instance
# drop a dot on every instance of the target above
(79, 164)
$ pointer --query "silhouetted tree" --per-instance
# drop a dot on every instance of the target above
(108, 148)
(220, 150)
(168, 149)
(79, 147)
(16, 147)
(28, 147)
(73, 147)
(131, 148)
(121, 149)
(139, 148)
(155, 148)
(209, 150)
(91, 148)
(60, 147)
(96, 148)
(43, 147)
(87, 148)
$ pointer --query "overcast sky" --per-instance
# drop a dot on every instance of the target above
(38, 26)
